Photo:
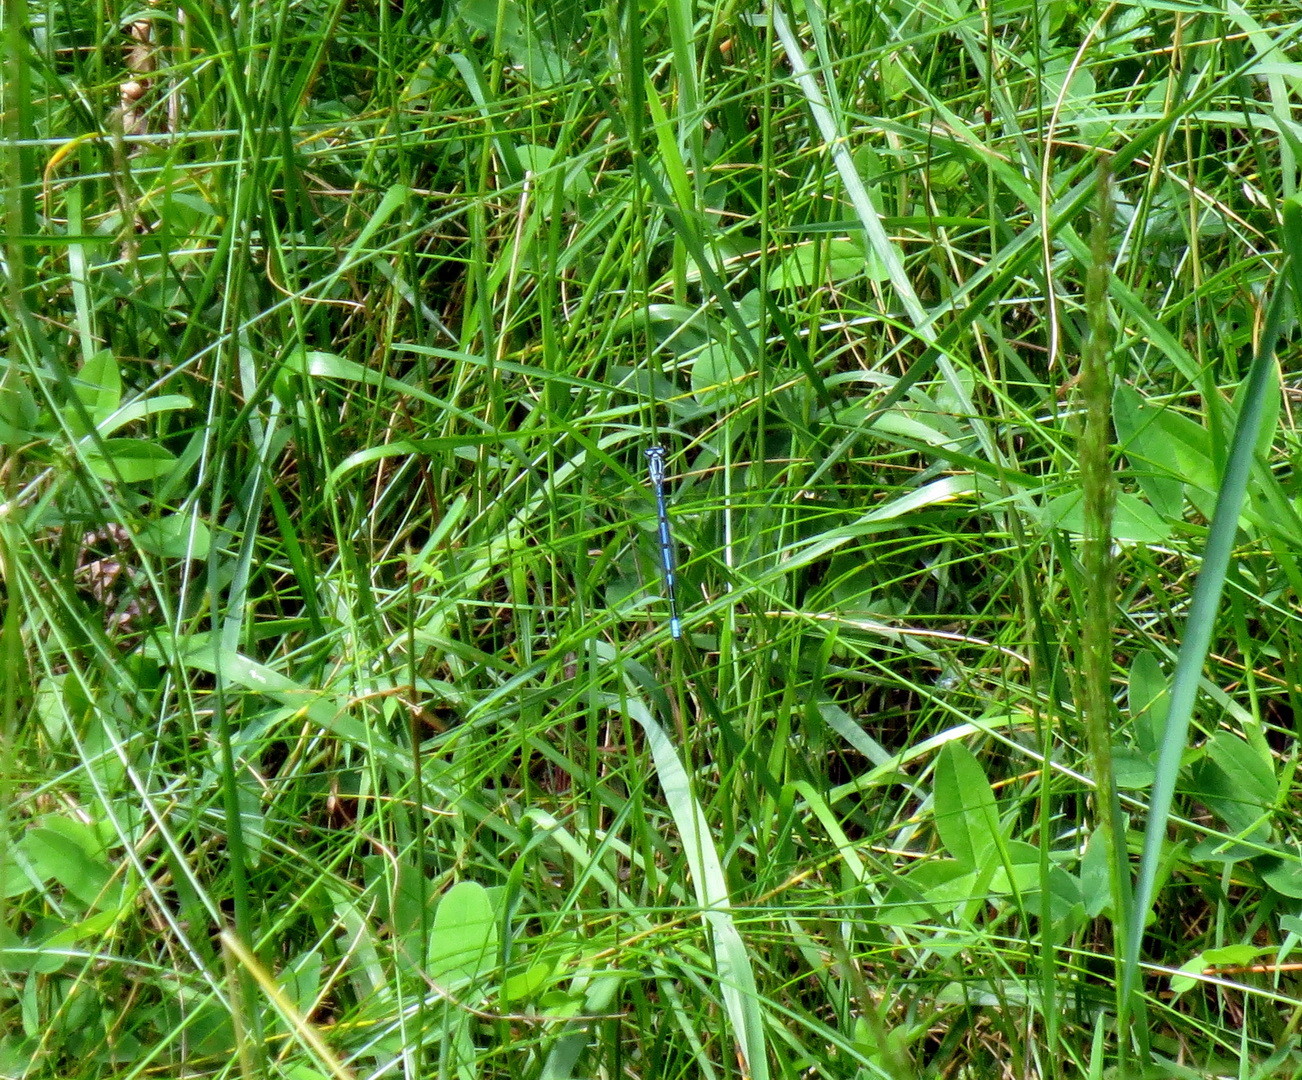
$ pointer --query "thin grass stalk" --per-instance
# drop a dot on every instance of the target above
(1100, 496)
(20, 207)
(14, 661)
(19, 221)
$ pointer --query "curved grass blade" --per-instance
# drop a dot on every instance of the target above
(732, 963)
(1206, 599)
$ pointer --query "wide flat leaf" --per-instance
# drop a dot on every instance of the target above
(1162, 441)
(54, 854)
(967, 815)
(811, 265)
(140, 408)
(1238, 785)
(715, 369)
(18, 408)
(930, 890)
(1133, 520)
(1237, 955)
(130, 460)
(463, 943)
(99, 386)
(1146, 699)
(176, 536)
(527, 983)
(1132, 770)
(1250, 774)
(1284, 874)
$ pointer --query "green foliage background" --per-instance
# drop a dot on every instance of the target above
(343, 731)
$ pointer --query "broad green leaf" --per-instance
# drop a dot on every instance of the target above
(99, 386)
(1132, 769)
(1132, 417)
(49, 705)
(14, 957)
(301, 980)
(66, 855)
(406, 896)
(481, 15)
(297, 1070)
(253, 824)
(1022, 872)
(139, 409)
(1022, 877)
(675, 327)
(550, 169)
(1075, 94)
(528, 983)
(1283, 874)
(129, 460)
(86, 836)
(324, 365)
(812, 264)
(18, 408)
(537, 159)
(463, 941)
(715, 370)
(1251, 774)
(967, 815)
(919, 426)
(1066, 900)
(1146, 697)
(1236, 955)
(47, 947)
(930, 890)
(1133, 520)
(1160, 439)
(1239, 787)
(880, 519)
(895, 80)
(176, 536)
(17, 874)
(1095, 877)
(566, 1050)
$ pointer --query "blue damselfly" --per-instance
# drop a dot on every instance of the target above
(655, 456)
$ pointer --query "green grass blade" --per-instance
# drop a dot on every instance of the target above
(732, 962)
(830, 129)
(1201, 623)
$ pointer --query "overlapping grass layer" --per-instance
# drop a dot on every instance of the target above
(343, 732)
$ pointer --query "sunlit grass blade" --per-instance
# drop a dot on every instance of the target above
(737, 983)
(1201, 622)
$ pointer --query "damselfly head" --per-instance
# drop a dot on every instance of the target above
(655, 461)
